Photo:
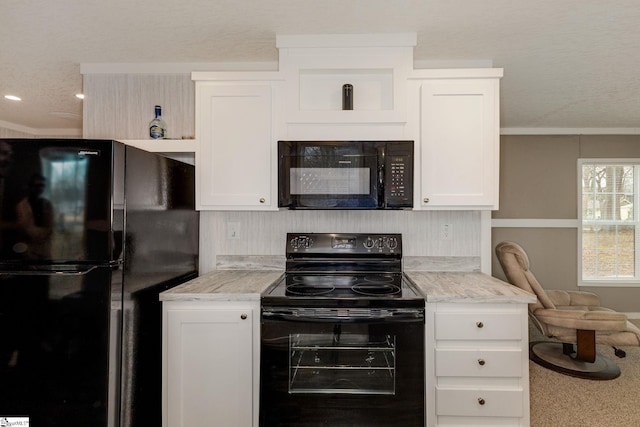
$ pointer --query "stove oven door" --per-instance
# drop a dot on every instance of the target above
(333, 367)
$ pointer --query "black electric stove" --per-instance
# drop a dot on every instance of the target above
(342, 336)
(340, 270)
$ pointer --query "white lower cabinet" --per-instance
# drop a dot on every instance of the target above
(477, 365)
(210, 363)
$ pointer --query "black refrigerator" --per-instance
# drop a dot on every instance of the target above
(91, 231)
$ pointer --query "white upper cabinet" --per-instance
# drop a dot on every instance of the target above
(458, 122)
(236, 153)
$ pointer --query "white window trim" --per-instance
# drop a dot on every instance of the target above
(610, 283)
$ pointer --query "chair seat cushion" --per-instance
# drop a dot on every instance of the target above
(578, 298)
(574, 318)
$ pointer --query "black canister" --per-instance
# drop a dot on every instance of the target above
(347, 97)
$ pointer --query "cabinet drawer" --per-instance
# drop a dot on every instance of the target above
(479, 403)
(478, 363)
(478, 326)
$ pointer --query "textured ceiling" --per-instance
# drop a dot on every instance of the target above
(567, 64)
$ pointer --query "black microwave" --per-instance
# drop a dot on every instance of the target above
(345, 174)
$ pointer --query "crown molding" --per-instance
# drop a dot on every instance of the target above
(40, 132)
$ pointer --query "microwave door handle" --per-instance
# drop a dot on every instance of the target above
(381, 183)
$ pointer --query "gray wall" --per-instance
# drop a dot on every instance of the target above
(538, 181)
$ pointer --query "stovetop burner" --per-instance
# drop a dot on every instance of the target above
(303, 289)
(343, 270)
(376, 289)
(340, 285)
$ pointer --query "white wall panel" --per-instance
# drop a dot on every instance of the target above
(120, 106)
(263, 233)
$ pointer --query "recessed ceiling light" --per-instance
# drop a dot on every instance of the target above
(80, 95)
(13, 97)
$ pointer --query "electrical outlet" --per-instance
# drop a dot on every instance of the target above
(445, 231)
(233, 230)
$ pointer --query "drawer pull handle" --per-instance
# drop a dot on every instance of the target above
(481, 401)
(480, 324)
(481, 362)
(262, 200)
(243, 316)
(425, 200)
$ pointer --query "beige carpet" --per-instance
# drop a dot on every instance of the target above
(561, 400)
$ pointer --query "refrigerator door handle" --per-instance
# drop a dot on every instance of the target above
(52, 271)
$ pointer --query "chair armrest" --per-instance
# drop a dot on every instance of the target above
(583, 319)
(580, 298)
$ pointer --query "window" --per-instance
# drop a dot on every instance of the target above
(608, 236)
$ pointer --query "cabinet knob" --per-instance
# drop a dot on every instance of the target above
(481, 401)
(262, 200)
(481, 362)
(243, 316)
(426, 200)
(480, 324)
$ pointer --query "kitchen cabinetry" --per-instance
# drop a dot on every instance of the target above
(452, 114)
(457, 115)
(210, 363)
(477, 359)
(236, 156)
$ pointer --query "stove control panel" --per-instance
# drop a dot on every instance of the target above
(340, 243)
(301, 241)
(381, 242)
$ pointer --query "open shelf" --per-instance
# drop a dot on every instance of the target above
(163, 145)
(321, 90)
(183, 150)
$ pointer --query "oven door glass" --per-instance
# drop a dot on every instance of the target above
(342, 363)
(326, 175)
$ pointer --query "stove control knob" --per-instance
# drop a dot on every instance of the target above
(393, 243)
(301, 242)
(369, 243)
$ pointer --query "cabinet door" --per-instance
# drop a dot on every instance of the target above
(234, 161)
(460, 143)
(209, 368)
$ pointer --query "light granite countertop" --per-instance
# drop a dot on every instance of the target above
(224, 285)
(466, 287)
(457, 287)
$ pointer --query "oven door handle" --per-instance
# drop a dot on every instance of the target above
(345, 316)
